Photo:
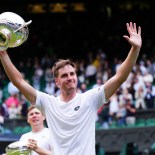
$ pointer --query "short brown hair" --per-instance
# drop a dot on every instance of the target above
(60, 64)
(30, 108)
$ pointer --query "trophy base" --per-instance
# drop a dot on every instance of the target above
(17, 148)
(18, 152)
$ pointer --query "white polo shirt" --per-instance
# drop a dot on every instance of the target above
(42, 137)
(72, 124)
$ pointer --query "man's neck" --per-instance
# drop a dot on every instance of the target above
(37, 128)
(66, 97)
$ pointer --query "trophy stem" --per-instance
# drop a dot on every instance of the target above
(4, 39)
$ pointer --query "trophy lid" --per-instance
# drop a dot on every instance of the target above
(13, 17)
(16, 148)
(17, 145)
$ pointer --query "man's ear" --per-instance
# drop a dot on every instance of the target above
(57, 82)
(44, 117)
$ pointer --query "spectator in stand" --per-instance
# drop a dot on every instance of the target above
(147, 77)
(124, 95)
(13, 102)
(81, 71)
(138, 81)
(83, 87)
(49, 82)
(13, 111)
(149, 97)
(36, 81)
(103, 116)
(1, 96)
(24, 106)
(14, 96)
(130, 112)
(4, 110)
(151, 68)
(121, 114)
(140, 98)
(90, 73)
(113, 108)
(98, 83)
(1, 123)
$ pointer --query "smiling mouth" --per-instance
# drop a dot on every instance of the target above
(70, 83)
(35, 121)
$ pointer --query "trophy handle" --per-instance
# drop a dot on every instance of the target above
(25, 24)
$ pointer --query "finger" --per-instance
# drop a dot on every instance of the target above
(31, 139)
(126, 37)
(139, 30)
(134, 27)
(131, 26)
(128, 27)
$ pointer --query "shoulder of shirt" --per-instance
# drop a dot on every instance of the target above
(25, 134)
(46, 128)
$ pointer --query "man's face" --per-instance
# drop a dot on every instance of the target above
(35, 117)
(67, 78)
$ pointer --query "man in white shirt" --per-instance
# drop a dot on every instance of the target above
(70, 116)
(38, 140)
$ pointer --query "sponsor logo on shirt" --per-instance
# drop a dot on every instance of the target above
(77, 108)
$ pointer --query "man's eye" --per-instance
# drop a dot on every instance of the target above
(63, 76)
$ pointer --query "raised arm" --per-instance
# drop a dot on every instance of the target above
(126, 67)
(16, 78)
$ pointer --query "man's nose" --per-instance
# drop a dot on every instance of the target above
(69, 77)
(34, 115)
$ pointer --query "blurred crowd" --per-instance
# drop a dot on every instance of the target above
(138, 92)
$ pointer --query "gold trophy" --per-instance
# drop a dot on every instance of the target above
(17, 148)
(13, 30)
